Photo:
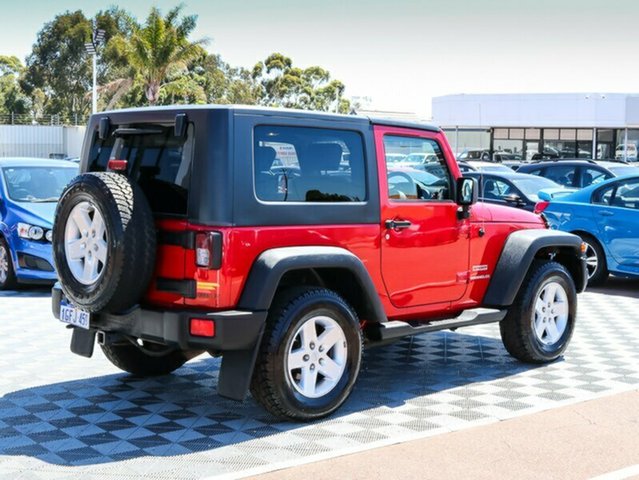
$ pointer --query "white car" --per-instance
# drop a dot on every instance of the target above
(626, 152)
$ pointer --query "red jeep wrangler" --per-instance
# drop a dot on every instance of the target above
(287, 240)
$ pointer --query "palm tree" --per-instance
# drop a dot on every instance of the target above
(153, 52)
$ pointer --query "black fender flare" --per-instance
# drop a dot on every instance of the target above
(271, 265)
(517, 256)
(259, 291)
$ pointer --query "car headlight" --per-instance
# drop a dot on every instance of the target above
(49, 235)
(33, 232)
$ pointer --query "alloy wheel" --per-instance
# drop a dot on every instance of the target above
(317, 357)
(86, 243)
(4, 264)
(551, 313)
(592, 260)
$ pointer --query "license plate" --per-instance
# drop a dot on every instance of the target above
(74, 316)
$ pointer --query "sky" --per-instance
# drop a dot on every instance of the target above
(401, 53)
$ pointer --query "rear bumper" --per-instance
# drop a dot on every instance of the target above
(234, 329)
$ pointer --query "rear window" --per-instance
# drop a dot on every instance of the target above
(298, 164)
(158, 161)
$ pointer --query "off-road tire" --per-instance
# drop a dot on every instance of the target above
(601, 273)
(270, 384)
(10, 282)
(517, 327)
(133, 359)
(131, 242)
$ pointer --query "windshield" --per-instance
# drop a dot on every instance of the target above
(620, 171)
(531, 186)
(37, 184)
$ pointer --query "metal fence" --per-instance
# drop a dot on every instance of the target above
(49, 120)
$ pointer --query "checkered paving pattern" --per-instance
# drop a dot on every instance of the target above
(63, 416)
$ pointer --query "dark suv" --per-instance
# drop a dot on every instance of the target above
(285, 242)
(578, 173)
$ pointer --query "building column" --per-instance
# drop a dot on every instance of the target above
(594, 142)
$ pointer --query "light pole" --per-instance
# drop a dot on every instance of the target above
(96, 39)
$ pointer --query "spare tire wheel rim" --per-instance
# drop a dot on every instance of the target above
(551, 313)
(315, 363)
(86, 243)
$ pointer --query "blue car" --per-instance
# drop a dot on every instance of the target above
(606, 216)
(29, 192)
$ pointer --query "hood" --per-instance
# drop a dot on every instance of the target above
(503, 214)
(40, 214)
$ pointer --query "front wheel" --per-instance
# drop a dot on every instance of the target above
(7, 273)
(540, 323)
(310, 355)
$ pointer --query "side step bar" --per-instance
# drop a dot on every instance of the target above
(394, 329)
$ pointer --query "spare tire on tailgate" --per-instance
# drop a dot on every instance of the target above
(104, 242)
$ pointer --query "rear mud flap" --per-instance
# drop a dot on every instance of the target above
(236, 371)
(82, 342)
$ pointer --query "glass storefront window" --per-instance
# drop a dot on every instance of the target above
(516, 134)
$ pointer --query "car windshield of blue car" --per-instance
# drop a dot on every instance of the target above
(531, 186)
(37, 184)
(624, 170)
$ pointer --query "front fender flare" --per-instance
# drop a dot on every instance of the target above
(517, 256)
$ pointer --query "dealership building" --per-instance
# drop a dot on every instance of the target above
(591, 125)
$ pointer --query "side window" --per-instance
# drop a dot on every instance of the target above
(422, 175)
(539, 172)
(604, 195)
(298, 164)
(496, 189)
(561, 174)
(591, 176)
(627, 195)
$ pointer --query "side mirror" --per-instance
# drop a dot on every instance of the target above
(514, 199)
(467, 189)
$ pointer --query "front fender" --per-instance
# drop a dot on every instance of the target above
(517, 256)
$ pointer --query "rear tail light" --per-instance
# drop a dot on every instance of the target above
(202, 327)
(117, 165)
(208, 250)
(541, 206)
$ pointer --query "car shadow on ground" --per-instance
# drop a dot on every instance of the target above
(118, 417)
(618, 286)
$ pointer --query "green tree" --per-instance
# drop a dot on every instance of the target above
(283, 85)
(156, 54)
(59, 65)
(12, 98)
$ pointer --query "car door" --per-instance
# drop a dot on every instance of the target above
(425, 246)
(617, 216)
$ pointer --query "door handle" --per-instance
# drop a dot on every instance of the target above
(606, 213)
(397, 224)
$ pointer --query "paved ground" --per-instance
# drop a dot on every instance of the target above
(62, 416)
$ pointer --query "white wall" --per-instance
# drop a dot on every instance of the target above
(40, 141)
(536, 110)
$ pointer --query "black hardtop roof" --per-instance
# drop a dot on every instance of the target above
(280, 112)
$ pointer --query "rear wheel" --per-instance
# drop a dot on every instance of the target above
(7, 273)
(595, 261)
(539, 324)
(310, 355)
(145, 358)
